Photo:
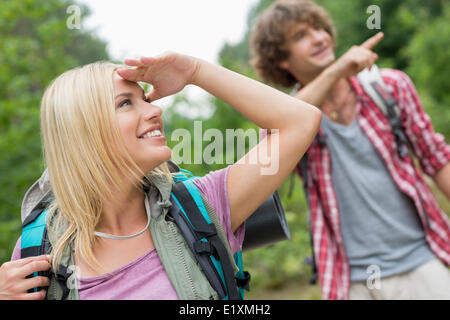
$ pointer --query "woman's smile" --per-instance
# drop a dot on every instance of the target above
(152, 132)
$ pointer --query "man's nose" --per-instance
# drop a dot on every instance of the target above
(317, 35)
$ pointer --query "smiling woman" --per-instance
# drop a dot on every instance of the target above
(140, 125)
(112, 203)
(90, 159)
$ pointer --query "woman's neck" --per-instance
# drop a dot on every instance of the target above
(125, 214)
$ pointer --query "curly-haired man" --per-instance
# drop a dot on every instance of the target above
(370, 208)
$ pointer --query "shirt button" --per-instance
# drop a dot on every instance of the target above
(334, 211)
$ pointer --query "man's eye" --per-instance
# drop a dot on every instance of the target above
(125, 103)
(299, 35)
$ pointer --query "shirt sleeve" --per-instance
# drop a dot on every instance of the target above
(213, 187)
(16, 252)
(429, 146)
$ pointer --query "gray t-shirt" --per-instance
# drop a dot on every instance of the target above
(380, 224)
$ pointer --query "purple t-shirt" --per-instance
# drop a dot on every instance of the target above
(145, 277)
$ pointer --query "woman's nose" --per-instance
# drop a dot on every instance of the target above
(150, 111)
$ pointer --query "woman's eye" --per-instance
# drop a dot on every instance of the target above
(125, 103)
(147, 100)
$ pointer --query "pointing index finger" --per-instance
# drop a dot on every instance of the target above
(372, 41)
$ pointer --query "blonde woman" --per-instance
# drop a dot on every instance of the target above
(103, 136)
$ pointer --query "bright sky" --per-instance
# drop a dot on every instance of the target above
(135, 28)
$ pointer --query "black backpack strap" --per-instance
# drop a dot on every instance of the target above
(393, 116)
(374, 86)
(304, 172)
(200, 251)
(196, 229)
(308, 260)
(62, 276)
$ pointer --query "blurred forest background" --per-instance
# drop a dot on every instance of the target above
(36, 46)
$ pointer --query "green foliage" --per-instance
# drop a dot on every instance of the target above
(429, 52)
(35, 47)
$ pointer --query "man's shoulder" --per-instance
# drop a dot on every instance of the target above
(394, 80)
(394, 77)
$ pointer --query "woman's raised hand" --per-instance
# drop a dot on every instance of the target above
(168, 73)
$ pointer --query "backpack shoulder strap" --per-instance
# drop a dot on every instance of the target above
(374, 86)
(38, 195)
(308, 260)
(202, 236)
(35, 242)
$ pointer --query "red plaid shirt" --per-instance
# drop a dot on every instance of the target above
(430, 149)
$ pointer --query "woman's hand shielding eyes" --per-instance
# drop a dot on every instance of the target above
(168, 73)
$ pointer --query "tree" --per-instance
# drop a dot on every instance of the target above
(429, 53)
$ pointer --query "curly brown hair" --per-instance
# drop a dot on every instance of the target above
(268, 37)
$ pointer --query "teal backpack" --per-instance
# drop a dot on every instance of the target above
(190, 213)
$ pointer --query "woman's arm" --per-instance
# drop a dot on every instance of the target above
(252, 179)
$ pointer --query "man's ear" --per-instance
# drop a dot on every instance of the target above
(284, 65)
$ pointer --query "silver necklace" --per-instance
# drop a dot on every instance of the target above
(112, 236)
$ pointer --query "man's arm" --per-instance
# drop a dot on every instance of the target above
(351, 63)
(442, 179)
(317, 90)
(429, 146)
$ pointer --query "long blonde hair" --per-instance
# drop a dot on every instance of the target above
(85, 156)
